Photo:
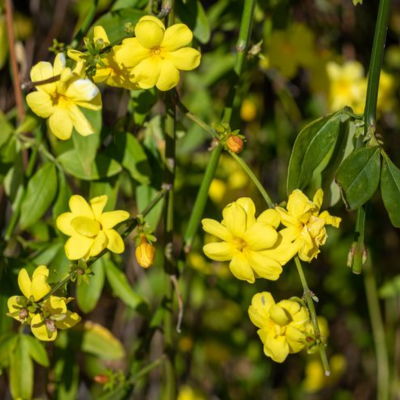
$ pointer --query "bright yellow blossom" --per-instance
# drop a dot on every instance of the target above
(156, 54)
(253, 246)
(54, 315)
(60, 101)
(282, 326)
(108, 71)
(305, 225)
(90, 228)
(145, 253)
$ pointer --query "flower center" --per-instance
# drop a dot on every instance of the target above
(60, 100)
(157, 52)
(239, 243)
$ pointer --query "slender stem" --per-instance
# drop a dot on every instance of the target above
(255, 180)
(201, 198)
(86, 24)
(60, 284)
(308, 296)
(378, 332)
(13, 59)
(147, 369)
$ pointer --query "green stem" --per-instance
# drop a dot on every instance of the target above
(308, 296)
(357, 257)
(255, 180)
(60, 284)
(147, 369)
(378, 331)
(85, 25)
(201, 198)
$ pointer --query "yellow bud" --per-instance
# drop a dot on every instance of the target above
(235, 144)
(145, 253)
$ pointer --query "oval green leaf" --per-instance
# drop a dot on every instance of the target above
(36, 350)
(390, 189)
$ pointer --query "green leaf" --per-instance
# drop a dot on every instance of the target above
(7, 344)
(390, 189)
(36, 350)
(98, 340)
(88, 294)
(192, 13)
(391, 288)
(102, 167)
(358, 176)
(21, 371)
(109, 187)
(114, 22)
(144, 195)
(129, 152)
(39, 195)
(63, 195)
(121, 287)
(314, 146)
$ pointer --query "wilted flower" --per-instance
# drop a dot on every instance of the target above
(60, 101)
(90, 228)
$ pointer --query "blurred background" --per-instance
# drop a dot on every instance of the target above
(307, 59)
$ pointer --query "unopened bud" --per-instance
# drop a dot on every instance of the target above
(145, 253)
(23, 314)
(234, 144)
(102, 379)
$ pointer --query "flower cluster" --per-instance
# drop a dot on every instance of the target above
(257, 248)
(44, 312)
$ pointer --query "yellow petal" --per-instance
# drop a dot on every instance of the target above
(249, 208)
(60, 124)
(169, 76)
(79, 207)
(82, 90)
(39, 329)
(219, 251)
(296, 339)
(153, 19)
(55, 305)
(78, 247)
(259, 309)
(146, 73)
(15, 304)
(40, 103)
(70, 320)
(115, 242)
(99, 244)
(277, 348)
(279, 315)
(130, 53)
(216, 229)
(75, 54)
(330, 219)
(63, 223)
(100, 33)
(81, 124)
(270, 217)
(41, 71)
(94, 104)
(318, 198)
(24, 282)
(264, 266)
(177, 36)
(235, 219)
(39, 287)
(149, 33)
(185, 59)
(285, 248)
(98, 203)
(300, 206)
(59, 64)
(260, 236)
(111, 218)
(85, 226)
(40, 270)
(241, 269)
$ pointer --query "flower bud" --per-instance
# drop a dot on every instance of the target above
(102, 379)
(145, 253)
(234, 144)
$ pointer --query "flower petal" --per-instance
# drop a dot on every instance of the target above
(15, 305)
(63, 223)
(249, 208)
(241, 269)
(264, 266)
(270, 217)
(60, 124)
(146, 73)
(219, 251)
(99, 244)
(41, 71)
(130, 53)
(55, 305)
(40, 103)
(216, 229)
(39, 287)
(295, 338)
(235, 219)
(80, 122)
(78, 247)
(59, 64)
(261, 236)
(100, 33)
(82, 90)
(330, 219)
(39, 329)
(79, 206)
(275, 347)
(111, 218)
(149, 33)
(259, 308)
(115, 242)
(70, 320)
(185, 59)
(177, 36)
(24, 282)
(169, 76)
(85, 226)
(98, 203)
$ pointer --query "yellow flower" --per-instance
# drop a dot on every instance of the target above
(156, 54)
(305, 224)
(108, 71)
(248, 110)
(60, 101)
(347, 86)
(32, 289)
(90, 228)
(386, 97)
(144, 253)
(282, 326)
(253, 246)
(54, 315)
(188, 393)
